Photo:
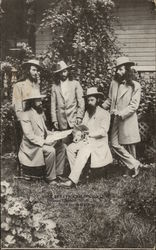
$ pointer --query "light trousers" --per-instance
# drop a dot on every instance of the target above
(78, 155)
(128, 158)
(54, 160)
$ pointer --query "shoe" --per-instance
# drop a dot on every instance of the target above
(51, 182)
(67, 184)
(136, 172)
(62, 178)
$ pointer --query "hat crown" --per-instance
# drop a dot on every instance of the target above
(33, 62)
(35, 94)
(60, 66)
(123, 60)
(92, 91)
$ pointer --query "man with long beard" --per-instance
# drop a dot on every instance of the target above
(123, 102)
(25, 88)
(97, 120)
(37, 147)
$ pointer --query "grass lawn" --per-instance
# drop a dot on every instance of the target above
(106, 211)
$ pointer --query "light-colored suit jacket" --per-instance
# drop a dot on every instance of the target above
(98, 126)
(127, 103)
(34, 131)
(65, 111)
(22, 90)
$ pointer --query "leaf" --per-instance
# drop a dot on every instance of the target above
(10, 239)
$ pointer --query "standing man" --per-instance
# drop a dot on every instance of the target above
(67, 104)
(24, 89)
(37, 147)
(97, 120)
(123, 102)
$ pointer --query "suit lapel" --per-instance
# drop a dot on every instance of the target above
(123, 90)
(59, 90)
(37, 120)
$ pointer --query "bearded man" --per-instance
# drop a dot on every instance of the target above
(123, 102)
(37, 147)
(25, 88)
(97, 120)
(67, 104)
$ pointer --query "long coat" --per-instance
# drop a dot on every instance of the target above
(21, 91)
(98, 127)
(34, 130)
(65, 111)
(127, 102)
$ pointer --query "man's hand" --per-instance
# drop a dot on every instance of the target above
(48, 141)
(115, 112)
(55, 124)
(78, 121)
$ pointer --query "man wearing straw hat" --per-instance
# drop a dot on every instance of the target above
(37, 147)
(123, 102)
(67, 104)
(97, 120)
(23, 89)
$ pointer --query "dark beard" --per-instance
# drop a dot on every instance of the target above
(63, 78)
(119, 78)
(39, 109)
(91, 110)
(32, 79)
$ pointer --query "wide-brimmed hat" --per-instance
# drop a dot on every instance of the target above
(32, 62)
(122, 60)
(34, 95)
(93, 92)
(58, 67)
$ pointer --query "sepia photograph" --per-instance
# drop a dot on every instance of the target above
(78, 128)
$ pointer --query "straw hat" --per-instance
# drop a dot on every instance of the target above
(61, 66)
(123, 60)
(34, 95)
(93, 92)
(32, 62)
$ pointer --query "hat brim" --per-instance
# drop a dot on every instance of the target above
(119, 65)
(26, 64)
(34, 97)
(59, 70)
(81, 127)
(99, 94)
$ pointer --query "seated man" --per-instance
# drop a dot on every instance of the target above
(97, 120)
(37, 148)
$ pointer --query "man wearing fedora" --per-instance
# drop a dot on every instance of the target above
(24, 89)
(37, 147)
(123, 102)
(67, 104)
(97, 120)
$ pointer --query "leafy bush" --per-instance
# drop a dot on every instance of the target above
(83, 34)
(23, 223)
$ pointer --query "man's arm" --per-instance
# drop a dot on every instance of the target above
(53, 107)
(17, 100)
(106, 105)
(28, 131)
(80, 101)
(133, 105)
